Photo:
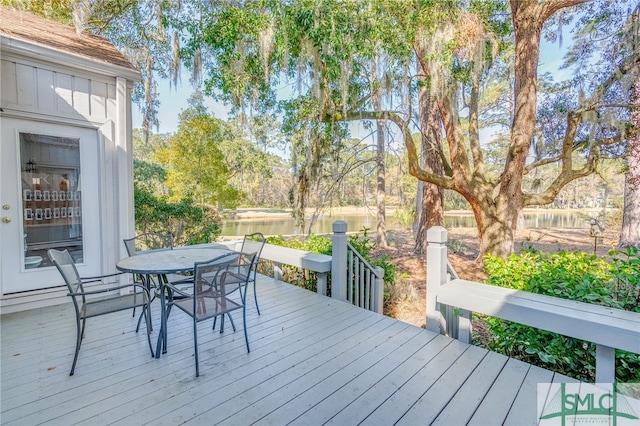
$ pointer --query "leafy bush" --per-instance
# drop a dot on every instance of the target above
(575, 276)
(405, 215)
(188, 223)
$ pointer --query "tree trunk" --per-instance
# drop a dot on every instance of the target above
(381, 226)
(497, 236)
(497, 239)
(630, 235)
(429, 203)
(381, 219)
(495, 233)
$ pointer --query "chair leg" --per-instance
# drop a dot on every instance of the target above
(139, 319)
(244, 325)
(255, 295)
(147, 316)
(195, 345)
(80, 330)
(231, 320)
(150, 325)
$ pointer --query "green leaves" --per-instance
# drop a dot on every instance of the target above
(188, 223)
(195, 162)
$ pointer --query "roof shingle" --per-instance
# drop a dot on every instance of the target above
(26, 27)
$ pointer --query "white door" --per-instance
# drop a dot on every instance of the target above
(49, 198)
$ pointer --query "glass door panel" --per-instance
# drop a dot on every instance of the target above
(51, 197)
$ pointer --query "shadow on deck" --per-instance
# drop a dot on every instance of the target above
(313, 360)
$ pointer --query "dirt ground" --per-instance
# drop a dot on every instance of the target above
(408, 303)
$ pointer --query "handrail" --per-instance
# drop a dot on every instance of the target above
(279, 255)
(363, 281)
(608, 328)
(451, 272)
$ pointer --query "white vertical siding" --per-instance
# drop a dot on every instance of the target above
(81, 87)
(25, 83)
(9, 90)
(46, 89)
(36, 89)
(98, 99)
(112, 108)
(64, 93)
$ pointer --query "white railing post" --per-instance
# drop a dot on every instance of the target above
(378, 290)
(339, 261)
(436, 276)
(277, 271)
(321, 287)
(605, 364)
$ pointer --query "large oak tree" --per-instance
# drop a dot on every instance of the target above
(327, 48)
(244, 52)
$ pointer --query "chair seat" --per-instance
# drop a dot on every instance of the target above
(171, 279)
(174, 278)
(112, 304)
(136, 295)
(239, 275)
(207, 306)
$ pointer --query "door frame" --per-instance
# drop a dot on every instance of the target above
(91, 162)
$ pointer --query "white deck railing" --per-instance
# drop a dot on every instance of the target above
(353, 279)
(365, 283)
(608, 328)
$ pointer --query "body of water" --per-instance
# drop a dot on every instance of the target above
(282, 225)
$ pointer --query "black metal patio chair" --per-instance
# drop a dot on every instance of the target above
(207, 298)
(247, 266)
(148, 241)
(93, 306)
(144, 242)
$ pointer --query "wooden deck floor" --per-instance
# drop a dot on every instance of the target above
(313, 361)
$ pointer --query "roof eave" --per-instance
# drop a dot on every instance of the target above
(59, 57)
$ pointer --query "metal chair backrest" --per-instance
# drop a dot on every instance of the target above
(253, 243)
(65, 264)
(148, 241)
(206, 274)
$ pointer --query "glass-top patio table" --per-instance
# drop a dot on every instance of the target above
(167, 261)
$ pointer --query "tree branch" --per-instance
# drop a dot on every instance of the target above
(412, 153)
(474, 133)
(455, 138)
(562, 180)
(574, 119)
(549, 7)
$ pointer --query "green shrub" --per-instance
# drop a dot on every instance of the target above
(575, 276)
(405, 215)
(187, 222)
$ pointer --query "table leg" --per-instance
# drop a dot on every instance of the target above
(163, 326)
